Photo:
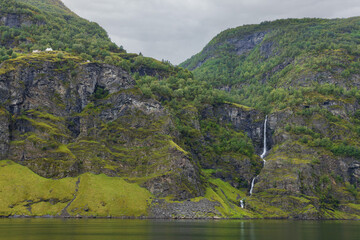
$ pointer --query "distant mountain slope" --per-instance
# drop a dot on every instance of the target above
(37, 25)
(305, 74)
(51, 6)
(291, 52)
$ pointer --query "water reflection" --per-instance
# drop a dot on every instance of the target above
(81, 229)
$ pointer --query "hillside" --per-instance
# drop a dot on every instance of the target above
(100, 132)
(304, 73)
(49, 6)
(261, 63)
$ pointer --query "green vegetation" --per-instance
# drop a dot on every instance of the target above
(53, 25)
(96, 197)
(25, 193)
(302, 73)
(22, 192)
(280, 71)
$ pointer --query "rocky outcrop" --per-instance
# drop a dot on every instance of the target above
(239, 45)
(247, 43)
(4, 134)
(17, 20)
(311, 175)
(237, 169)
(70, 118)
(187, 210)
(241, 118)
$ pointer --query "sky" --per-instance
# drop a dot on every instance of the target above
(175, 30)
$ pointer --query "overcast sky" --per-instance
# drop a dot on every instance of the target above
(177, 29)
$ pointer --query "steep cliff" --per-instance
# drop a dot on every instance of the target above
(303, 73)
(90, 130)
(63, 118)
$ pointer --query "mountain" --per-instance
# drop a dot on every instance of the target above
(305, 75)
(90, 130)
(49, 6)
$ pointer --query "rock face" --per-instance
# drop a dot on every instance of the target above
(61, 118)
(188, 209)
(239, 45)
(4, 134)
(242, 119)
(247, 43)
(231, 166)
(64, 118)
(305, 177)
(17, 20)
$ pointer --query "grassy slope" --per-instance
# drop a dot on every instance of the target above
(22, 192)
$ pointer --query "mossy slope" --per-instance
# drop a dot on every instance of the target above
(22, 192)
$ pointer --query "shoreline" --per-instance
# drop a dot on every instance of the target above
(175, 219)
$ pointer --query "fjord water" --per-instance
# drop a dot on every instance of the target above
(104, 229)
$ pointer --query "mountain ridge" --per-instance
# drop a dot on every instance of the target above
(102, 129)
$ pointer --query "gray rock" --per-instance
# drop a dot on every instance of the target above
(184, 210)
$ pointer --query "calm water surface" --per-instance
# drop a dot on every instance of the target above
(103, 229)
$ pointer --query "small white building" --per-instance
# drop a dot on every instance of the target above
(48, 50)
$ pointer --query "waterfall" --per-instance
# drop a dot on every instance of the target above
(262, 156)
(242, 203)
(264, 152)
(252, 185)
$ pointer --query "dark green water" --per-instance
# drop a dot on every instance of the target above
(103, 229)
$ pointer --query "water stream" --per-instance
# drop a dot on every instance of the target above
(265, 147)
(263, 158)
(262, 155)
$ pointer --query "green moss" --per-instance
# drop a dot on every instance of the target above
(354, 206)
(208, 172)
(46, 126)
(22, 192)
(65, 150)
(266, 210)
(43, 115)
(19, 142)
(2, 111)
(35, 139)
(300, 199)
(6, 67)
(20, 189)
(100, 195)
(174, 145)
(243, 107)
(229, 199)
(110, 167)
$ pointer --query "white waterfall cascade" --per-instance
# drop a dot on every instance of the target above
(242, 203)
(252, 185)
(262, 155)
(265, 147)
